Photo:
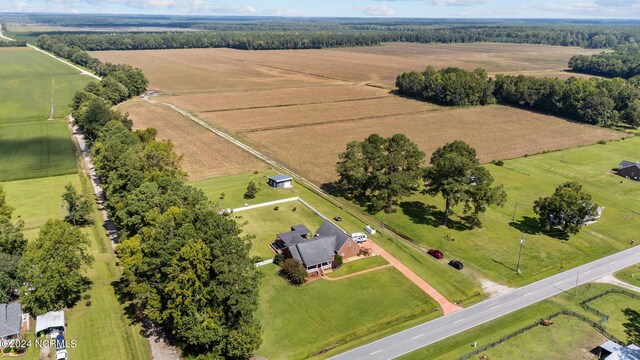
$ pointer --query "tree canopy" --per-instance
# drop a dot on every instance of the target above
(78, 208)
(567, 209)
(53, 268)
(379, 171)
(12, 246)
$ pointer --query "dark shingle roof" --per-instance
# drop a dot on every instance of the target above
(329, 229)
(300, 229)
(280, 178)
(626, 164)
(10, 319)
(291, 238)
(316, 251)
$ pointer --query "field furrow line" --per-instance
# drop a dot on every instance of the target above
(292, 105)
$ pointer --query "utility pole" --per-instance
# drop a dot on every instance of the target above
(520, 253)
(513, 217)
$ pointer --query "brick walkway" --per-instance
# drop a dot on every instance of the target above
(446, 306)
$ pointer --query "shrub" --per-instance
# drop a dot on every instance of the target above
(293, 271)
(86, 297)
(278, 259)
(276, 208)
(364, 252)
(222, 195)
(499, 163)
(88, 303)
(252, 190)
(602, 142)
(294, 208)
(337, 260)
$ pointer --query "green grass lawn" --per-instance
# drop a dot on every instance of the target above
(101, 330)
(299, 322)
(452, 284)
(265, 223)
(35, 149)
(33, 88)
(612, 305)
(567, 338)
(492, 251)
(36, 200)
(630, 275)
(358, 265)
(555, 343)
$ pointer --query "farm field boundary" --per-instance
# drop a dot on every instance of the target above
(605, 317)
(506, 338)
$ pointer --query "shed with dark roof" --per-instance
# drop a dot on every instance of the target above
(630, 170)
(280, 181)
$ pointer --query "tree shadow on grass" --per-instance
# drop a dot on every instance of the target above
(423, 214)
(530, 225)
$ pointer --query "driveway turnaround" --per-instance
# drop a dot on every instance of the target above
(430, 332)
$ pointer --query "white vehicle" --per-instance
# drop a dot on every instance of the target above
(62, 355)
(370, 230)
(359, 237)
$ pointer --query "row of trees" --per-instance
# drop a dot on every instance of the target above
(379, 172)
(454, 173)
(185, 266)
(448, 86)
(132, 78)
(316, 35)
(604, 102)
(624, 63)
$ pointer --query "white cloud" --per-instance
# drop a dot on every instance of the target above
(375, 10)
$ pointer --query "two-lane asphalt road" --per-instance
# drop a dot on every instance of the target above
(433, 331)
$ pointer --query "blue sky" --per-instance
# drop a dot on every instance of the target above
(619, 9)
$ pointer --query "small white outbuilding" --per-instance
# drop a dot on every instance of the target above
(53, 321)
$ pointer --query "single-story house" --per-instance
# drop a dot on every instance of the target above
(630, 170)
(10, 320)
(51, 322)
(318, 253)
(299, 233)
(610, 350)
(280, 181)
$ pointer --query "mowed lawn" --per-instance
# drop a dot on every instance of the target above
(492, 251)
(355, 266)
(299, 322)
(265, 223)
(454, 285)
(101, 330)
(612, 305)
(35, 88)
(567, 338)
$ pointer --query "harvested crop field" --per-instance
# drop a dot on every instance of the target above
(198, 70)
(302, 107)
(497, 132)
(205, 154)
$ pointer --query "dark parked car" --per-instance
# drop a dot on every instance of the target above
(436, 253)
(456, 264)
(337, 218)
(60, 342)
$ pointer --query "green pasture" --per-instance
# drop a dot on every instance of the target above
(612, 305)
(300, 322)
(35, 88)
(492, 250)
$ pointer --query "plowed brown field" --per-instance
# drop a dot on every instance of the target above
(302, 107)
(204, 153)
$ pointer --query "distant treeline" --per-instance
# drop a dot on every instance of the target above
(624, 63)
(604, 102)
(121, 81)
(12, 43)
(251, 37)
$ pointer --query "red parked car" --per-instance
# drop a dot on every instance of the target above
(436, 253)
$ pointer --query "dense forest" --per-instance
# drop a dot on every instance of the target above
(604, 102)
(624, 63)
(186, 267)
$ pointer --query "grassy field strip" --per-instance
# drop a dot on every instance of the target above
(82, 71)
(359, 265)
